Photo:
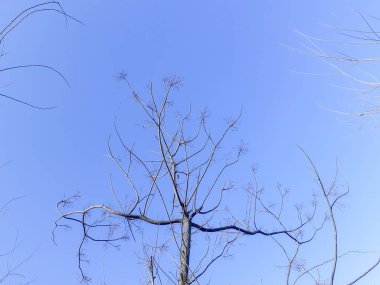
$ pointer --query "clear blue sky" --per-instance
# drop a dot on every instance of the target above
(230, 54)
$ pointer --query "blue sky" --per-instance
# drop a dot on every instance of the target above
(230, 54)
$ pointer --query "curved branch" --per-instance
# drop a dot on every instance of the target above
(26, 103)
(247, 231)
(124, 215)
(37, 65)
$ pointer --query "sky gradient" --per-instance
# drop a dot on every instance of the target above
(232, 55)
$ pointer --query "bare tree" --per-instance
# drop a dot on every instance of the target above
(297, 270)
(182, 185)
(352, 54)
(10, 269)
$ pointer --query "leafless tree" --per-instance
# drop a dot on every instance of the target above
(352, 54)
(182, 185)
(8, 28)
(10, 269)
(297, 270)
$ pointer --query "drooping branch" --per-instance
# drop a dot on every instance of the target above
(50, 6)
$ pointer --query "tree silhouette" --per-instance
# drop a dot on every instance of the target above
(181, 185)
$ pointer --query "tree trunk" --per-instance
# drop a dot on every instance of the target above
(185, 252)
(151, 270)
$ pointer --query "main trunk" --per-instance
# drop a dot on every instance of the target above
(185, 252)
